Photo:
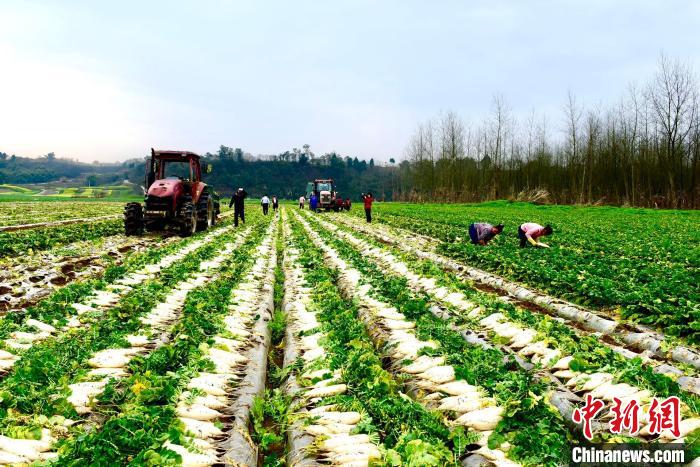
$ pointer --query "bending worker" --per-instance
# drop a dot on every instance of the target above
(482, 233)
(530, 232)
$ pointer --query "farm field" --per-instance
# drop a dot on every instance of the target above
(636, 264)
(302, 338)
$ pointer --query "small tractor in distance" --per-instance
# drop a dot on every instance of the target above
(175, 196)
(327, 195)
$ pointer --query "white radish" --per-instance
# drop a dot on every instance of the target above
(398, 324)
(390, 313)
(137, 340)
(685, 427)
(439, 374)
(198, 412)
(457, 388)
(608, 391)
(112, 358)
(40, 326)
(329, 429)
(588, 382)
(9, 458)
(342, 439)
(423, 363)
(507, 330)
(536, 348)
(464, 404)
(326, 391)
(210, 401)
(347, 418)
(563, 363)
(369, 450)
(201, 429)
(547, 357)
(566, 374)
(482, 419)
(523, 338)
(209, 384)
(492, 320)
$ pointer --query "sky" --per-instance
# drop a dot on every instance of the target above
(105, 81)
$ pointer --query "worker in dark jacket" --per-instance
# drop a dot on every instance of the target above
(368, 199)
(238, 205)
(482, 233)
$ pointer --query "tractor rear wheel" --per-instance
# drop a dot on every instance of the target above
(189, 220)
(133, 219)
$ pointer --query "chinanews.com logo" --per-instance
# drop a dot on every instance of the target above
(660, 419)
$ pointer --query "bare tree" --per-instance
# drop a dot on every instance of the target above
(673, 95)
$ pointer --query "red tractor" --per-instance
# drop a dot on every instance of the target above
(175, 196)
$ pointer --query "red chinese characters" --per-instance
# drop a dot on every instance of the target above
(663, 415)
(625, 418)
(588, 413)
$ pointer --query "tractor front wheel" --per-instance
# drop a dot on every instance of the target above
(189, 220)
(133, 219)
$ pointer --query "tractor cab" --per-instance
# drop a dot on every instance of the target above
(172, 177)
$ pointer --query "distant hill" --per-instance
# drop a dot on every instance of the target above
(27, 170)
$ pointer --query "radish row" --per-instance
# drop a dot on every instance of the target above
(207, 405)
(328, 430)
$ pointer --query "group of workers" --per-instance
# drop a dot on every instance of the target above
(238, 203)
(482, 233)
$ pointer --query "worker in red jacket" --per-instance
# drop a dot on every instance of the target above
(368, 199)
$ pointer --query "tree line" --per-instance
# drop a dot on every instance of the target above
(642, 151)
(285, 174)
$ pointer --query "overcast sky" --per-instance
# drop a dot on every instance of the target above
(99, 80)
